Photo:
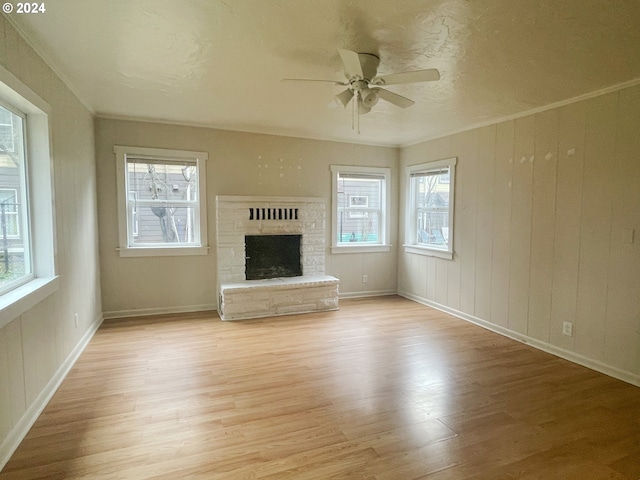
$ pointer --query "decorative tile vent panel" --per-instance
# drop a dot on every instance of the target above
(273, 213)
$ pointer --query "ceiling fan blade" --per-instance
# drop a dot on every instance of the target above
(344, 97)
(313, 80)
(351, 63)
(428, 75)
(397, 100)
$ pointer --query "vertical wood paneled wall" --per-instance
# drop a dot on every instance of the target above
(547, 230)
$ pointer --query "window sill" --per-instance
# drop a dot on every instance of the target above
(360, 248)
(162, 251)
(431, 252)
(17, 301)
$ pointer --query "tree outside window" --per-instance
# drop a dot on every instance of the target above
(163, 210)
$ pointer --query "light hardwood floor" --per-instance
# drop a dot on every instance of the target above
(384, 388)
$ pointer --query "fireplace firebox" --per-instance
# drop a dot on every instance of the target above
(272, 256)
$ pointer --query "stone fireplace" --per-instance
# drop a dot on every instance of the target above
(272, 229)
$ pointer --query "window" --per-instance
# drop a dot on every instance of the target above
(27, 259)
(15, 244)
(360, 220)
(164, 210)
(430, 208)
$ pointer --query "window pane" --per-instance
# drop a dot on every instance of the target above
(9, 225)
(168, 184)
(15, 259)
(7, 131)
(358, 226)
(157, 181)
(163, 224)
(433, 228)
(359, 206)
(432, 191)
(431, 205)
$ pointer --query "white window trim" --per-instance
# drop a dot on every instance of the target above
(42, 199)
(410, 223)
(124, 249)
(384, 245)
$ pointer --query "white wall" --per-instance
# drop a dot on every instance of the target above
(37, 347)
(239, 164)
(545, 206)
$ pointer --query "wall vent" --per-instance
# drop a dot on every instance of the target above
(273, 214)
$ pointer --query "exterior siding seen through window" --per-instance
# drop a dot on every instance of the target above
(360, 213)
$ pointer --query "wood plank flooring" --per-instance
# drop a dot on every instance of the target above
(384, 388)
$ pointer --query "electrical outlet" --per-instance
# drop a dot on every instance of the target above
(567, 329)
(365, 278)
(76, 319)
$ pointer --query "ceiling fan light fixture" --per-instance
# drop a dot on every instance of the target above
(344, 97)
(362, 108)
(369, 98)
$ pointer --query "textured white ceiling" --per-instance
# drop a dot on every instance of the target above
(219, 63)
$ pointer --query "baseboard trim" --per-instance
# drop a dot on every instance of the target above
(22, 427)
(143, 312)
(596, 365)
(369, 293)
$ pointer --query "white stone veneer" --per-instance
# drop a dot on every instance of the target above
(312, 292)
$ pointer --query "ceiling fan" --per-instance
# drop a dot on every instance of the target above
(360, 69)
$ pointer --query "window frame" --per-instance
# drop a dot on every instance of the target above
(383, 245)
(126, 248)
(24, 215)
(411, 244)
(41, 199)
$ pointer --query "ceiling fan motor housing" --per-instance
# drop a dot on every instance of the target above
(367, 97)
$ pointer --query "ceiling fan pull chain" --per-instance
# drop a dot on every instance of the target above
(353, 112)
(356, 111)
